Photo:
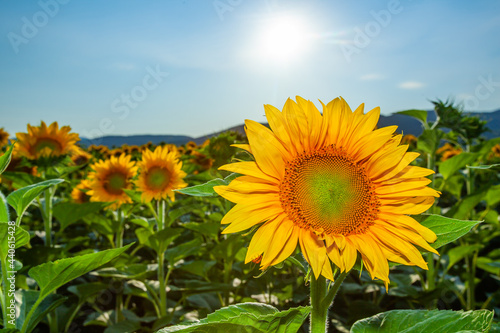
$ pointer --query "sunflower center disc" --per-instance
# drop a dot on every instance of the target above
(328, 193)
(51, 144)
(116, 182)
(157, 178)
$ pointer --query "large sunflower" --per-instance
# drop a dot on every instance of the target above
(110, 178)
(43, 141)
(161, 174)
(332, 184)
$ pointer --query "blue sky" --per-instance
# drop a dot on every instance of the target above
(194, 67)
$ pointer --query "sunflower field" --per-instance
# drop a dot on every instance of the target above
(318, 221)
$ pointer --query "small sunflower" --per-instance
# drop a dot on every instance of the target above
(332, 184)
(43, 141)
(4, 137)
(79, 156)
(160, 175)
(109, 179)
(79, 193)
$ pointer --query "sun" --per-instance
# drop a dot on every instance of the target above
(283, 38)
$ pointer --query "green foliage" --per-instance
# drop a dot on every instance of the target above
(69, 212)
(420, 115)
(447, 230)
(207, 189)
(22, 198)
(247, 317)
(417, 321)
(5, 159)
(52, 275)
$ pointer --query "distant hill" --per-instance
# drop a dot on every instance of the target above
(131, 140)
(406, 125)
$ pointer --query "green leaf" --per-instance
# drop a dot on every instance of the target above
(124, 327)
(429, 140)
(417, 321)
(182, 251)
(198, 267)
(420, 115)
(22, 198)
(158, 241)
(247, 317)
(21, 237)
(52, 275)
(484, 167)
(447, 230)
(5, 159)
(28, 299)
(207, 189)
(459, 252)
(4, 209)
(463, 209)
(21, 179)
(460, 161)
(9, 330)
(69, 212)
(488, 265)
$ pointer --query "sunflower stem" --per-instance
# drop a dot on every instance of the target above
(431, 283)
(318, 310)
(47, 216)
(119, 244)
(161, 260)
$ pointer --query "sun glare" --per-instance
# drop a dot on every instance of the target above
(283, 39)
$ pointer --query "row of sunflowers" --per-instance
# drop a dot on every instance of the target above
(128, 239)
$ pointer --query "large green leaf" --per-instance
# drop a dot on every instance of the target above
(69, 212)
(247, 317)
(5, 159)
(420, 115)
(22, 198)
(28, 299)
(52, 275)
(207, 189)
(460, 161)
(418, 321)
(447, 230)
(4, 209)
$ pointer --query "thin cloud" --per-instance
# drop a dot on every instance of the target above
(410, 85)
(371, 77)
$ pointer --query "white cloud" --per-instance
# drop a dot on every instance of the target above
(411, 85)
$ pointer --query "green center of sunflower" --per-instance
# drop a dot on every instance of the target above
(157, 178)
(327, 192)
(51, 144)
(115, 183)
